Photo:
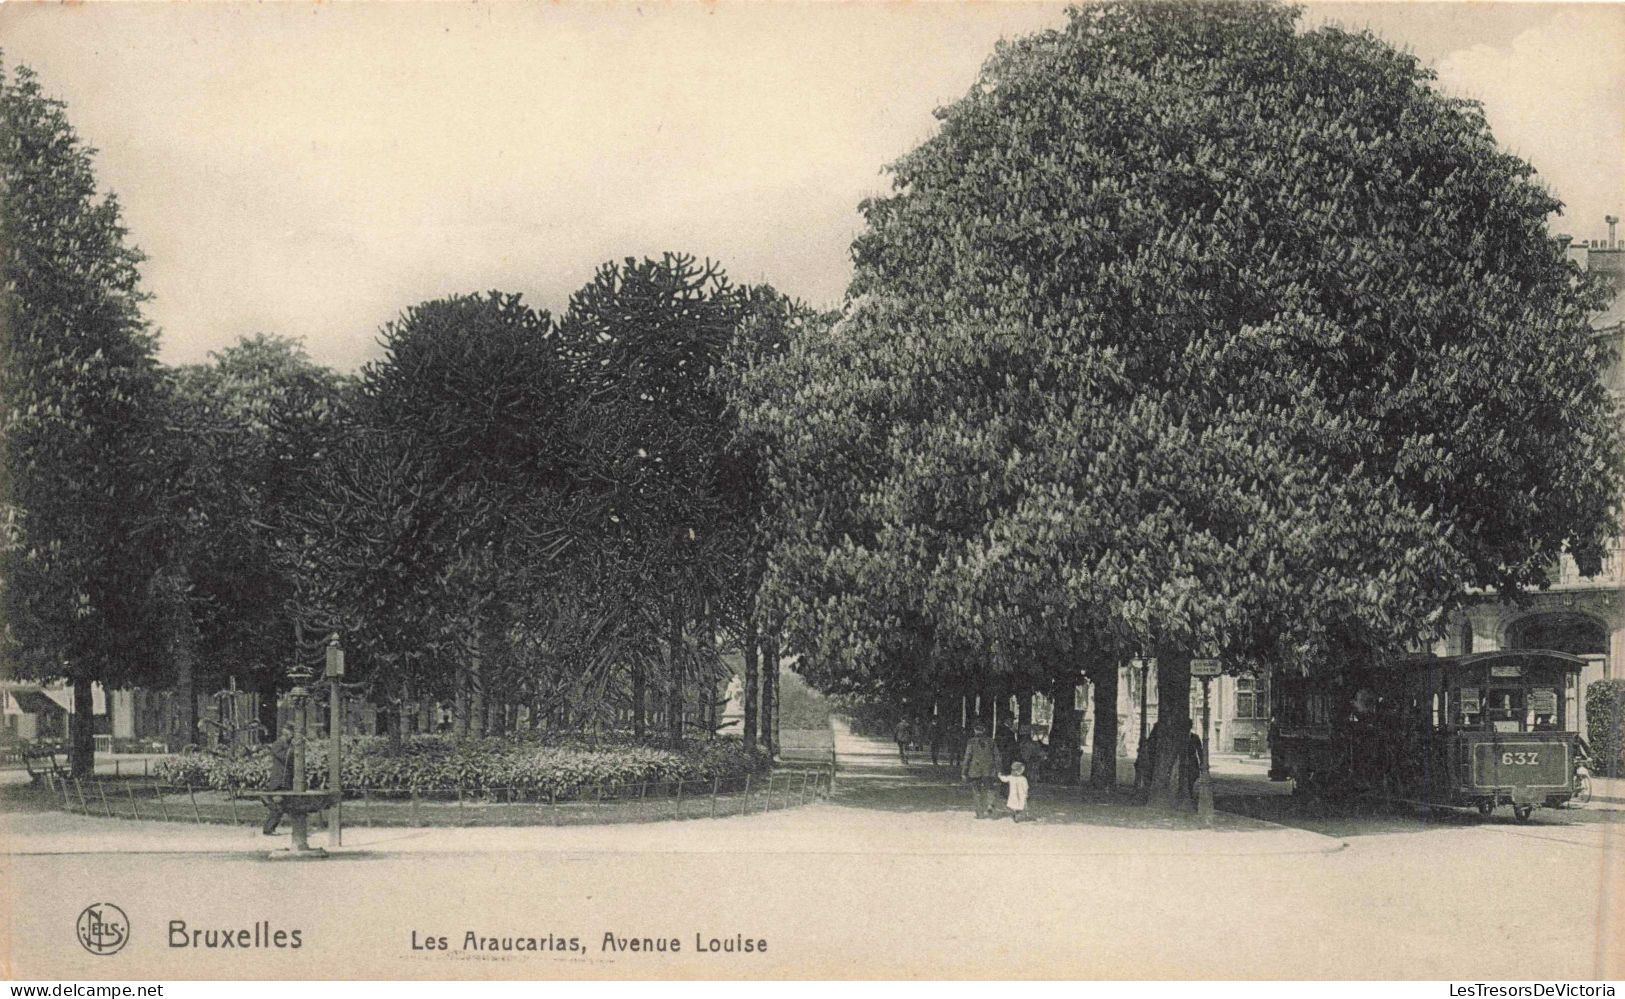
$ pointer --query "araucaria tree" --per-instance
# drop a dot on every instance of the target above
(78, 381)
(1192, 333)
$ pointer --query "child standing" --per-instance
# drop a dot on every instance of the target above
(1018, 792)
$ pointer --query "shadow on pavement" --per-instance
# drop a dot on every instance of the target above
(1344, 819)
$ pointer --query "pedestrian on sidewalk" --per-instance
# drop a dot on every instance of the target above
(905, 734)
(280, 778)
(981, 769)
(1016, 805)
(1194, 755)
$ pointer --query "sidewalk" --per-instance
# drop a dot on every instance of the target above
(879, 808)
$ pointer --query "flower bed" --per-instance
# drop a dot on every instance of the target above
(473, 765)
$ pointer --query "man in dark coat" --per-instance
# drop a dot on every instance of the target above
(1005, 741)
(981, 768)
(1192, 766)
(280, 778)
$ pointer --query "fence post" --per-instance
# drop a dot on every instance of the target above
(101, 791)
(747, 795)
(716, 782)
(79, 788)
(135, 810)
(232, 797)
(679, 812)
(196, 815)
(804, 775)
(643, 797)
(163, 810)
(115, 768)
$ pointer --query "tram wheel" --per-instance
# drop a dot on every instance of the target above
(1522, 812)
(1485, 807)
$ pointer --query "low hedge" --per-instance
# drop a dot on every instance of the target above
(1605, 724)
(435, 762)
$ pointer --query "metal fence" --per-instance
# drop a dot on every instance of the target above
(639, 801)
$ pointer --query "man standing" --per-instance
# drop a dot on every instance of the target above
(280, 778)
(905, 735)
(1194, 754)
(981, 768)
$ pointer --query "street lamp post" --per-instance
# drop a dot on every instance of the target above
(299, 701)
(334, 674)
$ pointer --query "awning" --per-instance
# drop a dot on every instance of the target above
(34, 702)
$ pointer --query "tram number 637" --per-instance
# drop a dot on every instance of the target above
(1520, 759)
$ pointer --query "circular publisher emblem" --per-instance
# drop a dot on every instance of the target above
(103, 928)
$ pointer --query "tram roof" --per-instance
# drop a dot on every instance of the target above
(1550, 657)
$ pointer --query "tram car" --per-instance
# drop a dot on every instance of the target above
(1480, 730)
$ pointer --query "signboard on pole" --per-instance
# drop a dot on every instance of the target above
(1206, 667)
(335, 661)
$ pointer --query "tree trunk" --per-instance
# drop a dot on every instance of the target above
(459, 708)
(1173, 729)
(476, 692)
(180, 641)
(397, 723)
(751, 692)
(639, 696)
(82, 730)
(1024, 709)
(1103, 745)
(674, 677)
(770, 696)
(1063, 729)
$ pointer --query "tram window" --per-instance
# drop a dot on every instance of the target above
(1435, 710)
(1543, 706)
(1467, 707)
(1506, 710)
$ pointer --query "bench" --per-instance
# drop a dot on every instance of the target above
(40, 764)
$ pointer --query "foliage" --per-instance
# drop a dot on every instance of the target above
(78, 379)
(1605, 723)
(452, 484)
(475, 765)
(1188, 332)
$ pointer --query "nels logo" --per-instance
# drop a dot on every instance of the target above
(103, 928)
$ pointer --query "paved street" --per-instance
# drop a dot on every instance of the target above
(894, 877)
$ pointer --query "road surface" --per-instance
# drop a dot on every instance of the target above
(892, 878)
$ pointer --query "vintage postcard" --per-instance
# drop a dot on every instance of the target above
(901, 491)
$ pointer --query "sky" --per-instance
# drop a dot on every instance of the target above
(313, 169)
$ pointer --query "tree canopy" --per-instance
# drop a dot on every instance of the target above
(78, 391)
(1190, 332)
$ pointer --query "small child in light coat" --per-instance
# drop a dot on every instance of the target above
(1017, 804)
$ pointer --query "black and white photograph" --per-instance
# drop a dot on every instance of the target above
(892, 491)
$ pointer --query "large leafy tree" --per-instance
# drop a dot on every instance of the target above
(78, 381)
(453, 486)
(1196, 333)
(244, 433)
(644, 338)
